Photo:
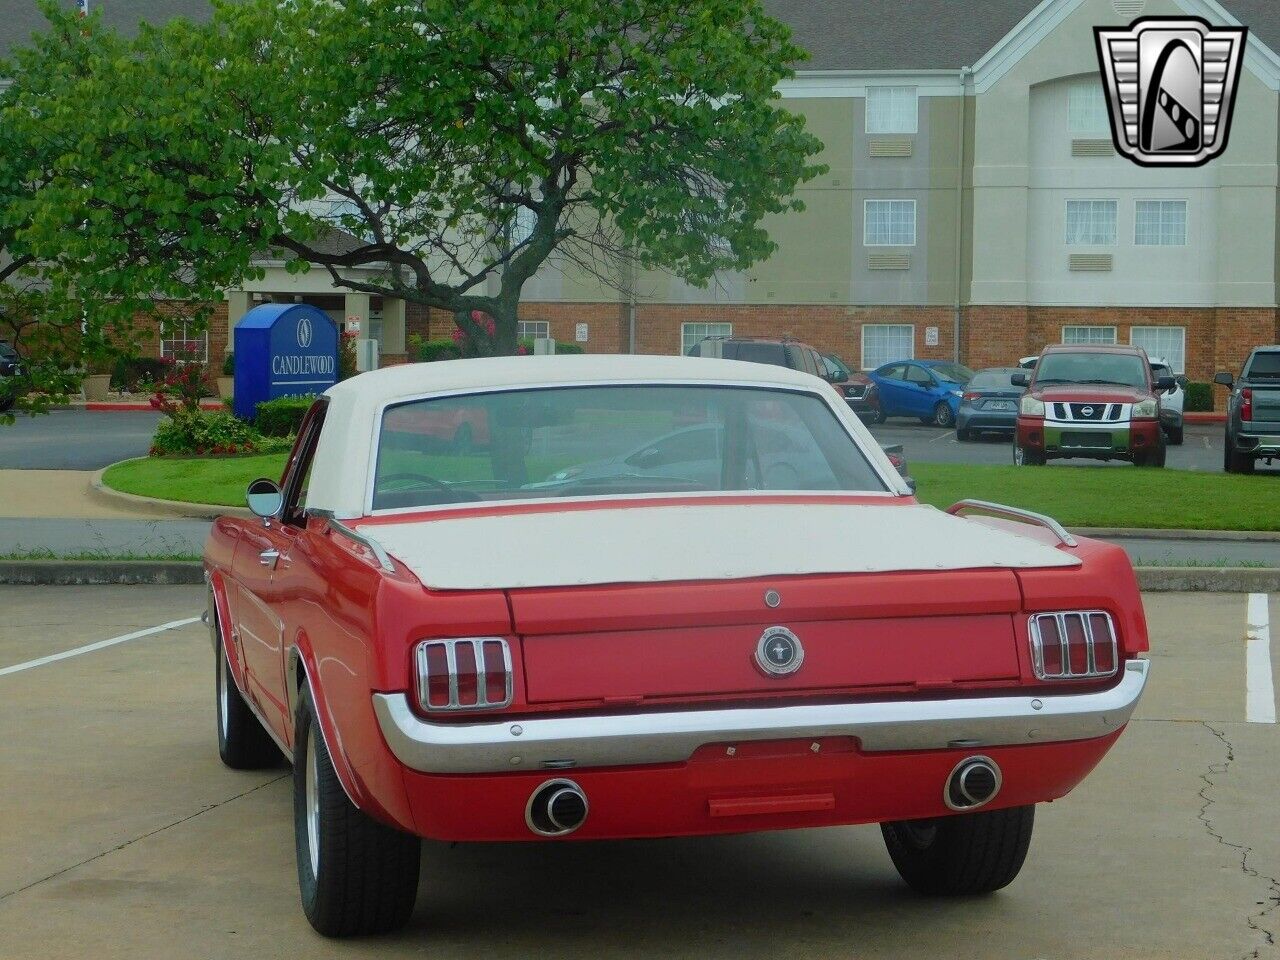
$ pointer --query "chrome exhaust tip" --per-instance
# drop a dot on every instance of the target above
(973, 782)
(556, 809)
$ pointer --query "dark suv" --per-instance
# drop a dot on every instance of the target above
(1253, 412)
(781, 353)
(9, 372)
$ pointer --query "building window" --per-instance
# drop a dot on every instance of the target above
(1087, 109)
(522, 225)
(889, 223)
(180, 341)
(891, 110)
(884, 342)
(1088, 335)
(691, 333)
(1162, 343)
(1160, 223)
(1091, 223)
(533, 329)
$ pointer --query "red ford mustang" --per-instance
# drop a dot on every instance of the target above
(608, 623)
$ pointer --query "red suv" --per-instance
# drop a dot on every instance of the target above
(1098, 402)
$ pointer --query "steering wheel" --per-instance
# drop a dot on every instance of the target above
(415, 479)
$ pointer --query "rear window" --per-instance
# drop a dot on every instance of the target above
(1264, 365)
(759, 353)
(955, 372)
(611, 441)
(987, 380)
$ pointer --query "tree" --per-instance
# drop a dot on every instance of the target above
(463, 142)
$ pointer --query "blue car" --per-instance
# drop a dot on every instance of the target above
(928, 389)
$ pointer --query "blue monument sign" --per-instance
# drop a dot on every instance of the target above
(283, 350)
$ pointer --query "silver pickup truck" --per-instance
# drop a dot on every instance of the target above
(1253, 411)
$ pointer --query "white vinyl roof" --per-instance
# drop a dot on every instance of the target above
(340, 477)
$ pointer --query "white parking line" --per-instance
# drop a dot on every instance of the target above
(90, 647)
(943, 436)
(1260, 695)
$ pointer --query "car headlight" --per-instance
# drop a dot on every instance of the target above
(1147, 408)
(1029, 406)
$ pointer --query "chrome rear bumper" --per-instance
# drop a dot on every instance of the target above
(672, 737)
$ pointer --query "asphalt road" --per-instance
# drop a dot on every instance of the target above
(76, 439)
(124, 838)
(1201, 448)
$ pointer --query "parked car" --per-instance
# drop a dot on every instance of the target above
(856, 387)
(450, 653)
(1097, 402)
(10, 371)
(781, 352)
(1253, 411)
(928, 389)
(1172, 401)
(989, 403)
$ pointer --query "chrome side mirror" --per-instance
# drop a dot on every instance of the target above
(265, 499)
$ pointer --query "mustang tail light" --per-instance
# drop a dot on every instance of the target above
(1076, 645)
(1246, 404)
(470, 673)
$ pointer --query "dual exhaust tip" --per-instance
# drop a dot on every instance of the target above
(556, 809)
(559, 807)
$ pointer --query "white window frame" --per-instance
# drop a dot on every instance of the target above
(533, 329)
(1102, 123)
(862, 351)
(866, 222)
(1177, 361)
(1089, 340)
(167, 342)
(892, 126)
(706, 325)
(1066, 221)
(1186, 216)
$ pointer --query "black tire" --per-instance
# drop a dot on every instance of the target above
(964, 436)
(1026, 457)
(966, 854)
(1154, 459)
(1233, 461)
(242, 742)
(1174, 436)
(365, 877)
(943, 415)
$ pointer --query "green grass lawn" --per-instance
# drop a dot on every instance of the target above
(1076, 496)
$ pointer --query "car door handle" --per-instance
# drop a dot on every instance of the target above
(269, 557)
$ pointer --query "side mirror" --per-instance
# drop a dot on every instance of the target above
(1165, 384)
(264, 498)
(1225, 379)
(1019, 380)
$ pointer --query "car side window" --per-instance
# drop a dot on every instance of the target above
(919, 376)
(298, 475)
(895, 372)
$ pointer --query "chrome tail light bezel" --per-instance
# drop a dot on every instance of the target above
(450, 647)
(1093, 643)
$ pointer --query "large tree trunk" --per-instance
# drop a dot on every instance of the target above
(505, 318)
(509, 441)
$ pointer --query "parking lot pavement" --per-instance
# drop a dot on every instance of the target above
(1201, 448)
(124, 837)
(119, 538)
(76, 439)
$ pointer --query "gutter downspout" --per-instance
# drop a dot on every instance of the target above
(965, 73)
(631, 305)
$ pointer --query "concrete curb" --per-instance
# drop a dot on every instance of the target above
(79, 572)
(169, 572)
(152, 507)
(1121, 533)
(1204, 417)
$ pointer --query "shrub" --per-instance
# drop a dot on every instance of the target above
(189, 432)
(282, 416)
(347, 356)
(431, 350)
(1199, 398)
(183, 387)
(229, 365)
(133, 374)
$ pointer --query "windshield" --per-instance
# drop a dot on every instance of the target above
(992, 380)
(606, 441)
(955, 372)
(836, 367)
(1125, 369)
(1265, 365)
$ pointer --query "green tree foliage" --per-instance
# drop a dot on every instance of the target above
(468, 142)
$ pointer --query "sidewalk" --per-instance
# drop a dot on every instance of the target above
(31, 494)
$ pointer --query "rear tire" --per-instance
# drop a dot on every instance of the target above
(963, 435)
(242, 742)
(1175, 436)
(943, 415)
(1153, 459)
(966, 854)
(1026, 457)
(1233, 461)
(356, 876)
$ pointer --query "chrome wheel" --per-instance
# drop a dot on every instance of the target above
(313, 804)
(224, 695)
